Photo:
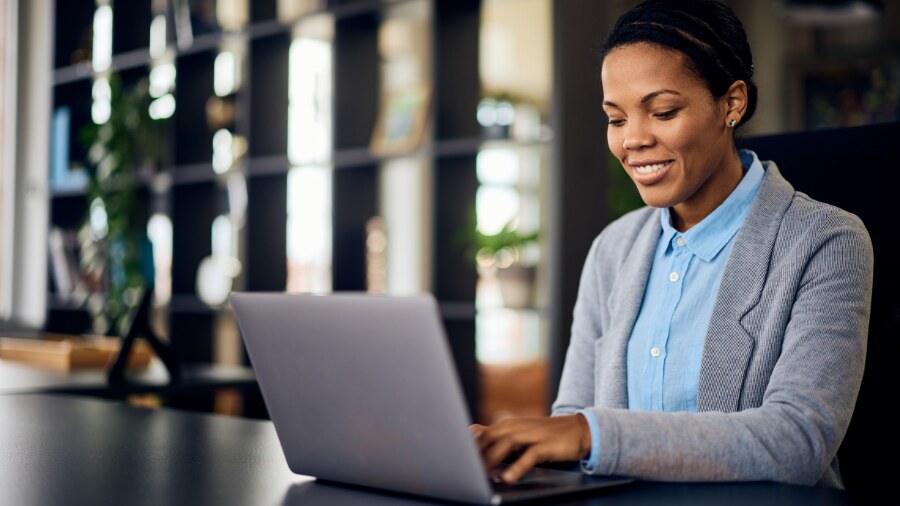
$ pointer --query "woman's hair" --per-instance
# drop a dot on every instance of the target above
(707, 32)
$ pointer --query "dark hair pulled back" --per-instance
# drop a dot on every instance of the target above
(706, 31)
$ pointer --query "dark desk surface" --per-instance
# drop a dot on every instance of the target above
(77, 451)
(17, 378)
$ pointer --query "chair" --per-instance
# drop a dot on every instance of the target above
(857, 169)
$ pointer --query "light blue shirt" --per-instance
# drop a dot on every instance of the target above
(666, 344)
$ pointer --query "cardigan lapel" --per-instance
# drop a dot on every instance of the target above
(728, 346)
(624, 304)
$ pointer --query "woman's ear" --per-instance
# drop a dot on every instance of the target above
(735, 101)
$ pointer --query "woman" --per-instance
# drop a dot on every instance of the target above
(719, 332)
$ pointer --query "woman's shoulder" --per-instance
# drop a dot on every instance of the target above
(818, 216)
(797, 217)
(621, 233)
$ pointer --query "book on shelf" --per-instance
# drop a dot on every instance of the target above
(63, 352)
(64, 265)
(63, 175)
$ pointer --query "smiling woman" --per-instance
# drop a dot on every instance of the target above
(656, 110)
(710, 323)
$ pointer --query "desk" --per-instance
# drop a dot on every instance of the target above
(63, 450)
(17, 378)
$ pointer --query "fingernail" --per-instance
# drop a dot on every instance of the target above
(508, 476)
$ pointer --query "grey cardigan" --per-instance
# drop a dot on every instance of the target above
(782, 361)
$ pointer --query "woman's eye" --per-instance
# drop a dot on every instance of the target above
(616, 122)
(667, 114)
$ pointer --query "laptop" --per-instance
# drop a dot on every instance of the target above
(362, 391)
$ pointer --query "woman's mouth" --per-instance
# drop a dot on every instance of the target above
(651, 171)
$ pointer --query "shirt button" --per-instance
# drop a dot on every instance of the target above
(655, 351)
(679, 241)
(673, 277)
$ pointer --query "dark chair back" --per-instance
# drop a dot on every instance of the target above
(858, 169)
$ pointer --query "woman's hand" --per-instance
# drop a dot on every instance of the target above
(551, 439)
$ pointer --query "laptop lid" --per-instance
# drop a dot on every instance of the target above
(362, 390)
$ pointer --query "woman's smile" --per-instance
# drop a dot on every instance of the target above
(648, 172)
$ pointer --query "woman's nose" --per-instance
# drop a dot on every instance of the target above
(637, 135)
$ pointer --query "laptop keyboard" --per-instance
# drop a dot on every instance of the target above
(536, 479)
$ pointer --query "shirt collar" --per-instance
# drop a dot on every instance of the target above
(707, 238)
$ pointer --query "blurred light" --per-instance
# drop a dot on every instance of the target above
(309, 229)
(507, 336)
(163, 107)
(159, 232)
(497, 166)
(237, 197)
(102, 46)
(101, 107)
(831, 13)
(225, 74)
(158, 37)
(495, 207)
(162, 79)
(222, 154)
(231, 14)
(487, 112)
(309, 109)
(222, 236)
(215, 276)
(213, 284)
(506, 113)
(99, 222)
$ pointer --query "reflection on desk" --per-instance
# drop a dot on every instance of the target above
(635, 494)
(64, 450)
(17, 378)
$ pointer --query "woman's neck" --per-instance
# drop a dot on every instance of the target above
(709, 196)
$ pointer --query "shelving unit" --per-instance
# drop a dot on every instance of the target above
(194, 195)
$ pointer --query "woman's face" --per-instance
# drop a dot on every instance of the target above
(668, 131)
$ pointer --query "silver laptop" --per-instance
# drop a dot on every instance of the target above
(362, 390)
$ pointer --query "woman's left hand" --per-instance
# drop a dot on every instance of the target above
(550, 439)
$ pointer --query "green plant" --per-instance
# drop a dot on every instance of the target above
(621, 194)
(114, 251)
(503, 248)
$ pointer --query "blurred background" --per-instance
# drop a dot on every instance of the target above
(189, 148)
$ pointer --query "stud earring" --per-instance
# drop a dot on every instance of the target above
(732, 122)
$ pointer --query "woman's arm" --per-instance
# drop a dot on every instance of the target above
(808, 402)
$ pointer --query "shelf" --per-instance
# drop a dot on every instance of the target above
(55, 303)
(83, 71)
(357, 8)
(457, 147)
(271, 27)
(72, 73)
(354, 157)
(132, 59)
(363, 156)
(457, 310)
(268, 165)
(182, 303)
(202, 43)
(68, 193)
(193, 195)
(193, 173)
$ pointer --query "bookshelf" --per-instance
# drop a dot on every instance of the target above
(252, 193)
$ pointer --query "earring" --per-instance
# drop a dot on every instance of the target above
(732, 122)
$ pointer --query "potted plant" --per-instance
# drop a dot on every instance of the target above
(504, 255)
(115, 251)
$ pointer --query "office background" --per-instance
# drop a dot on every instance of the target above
(456, 147)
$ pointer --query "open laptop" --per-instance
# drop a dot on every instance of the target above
(362, 390)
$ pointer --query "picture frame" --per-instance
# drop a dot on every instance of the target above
(401, 121)
(845, 93)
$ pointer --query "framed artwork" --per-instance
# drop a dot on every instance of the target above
(401, 120)
(846, 94)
